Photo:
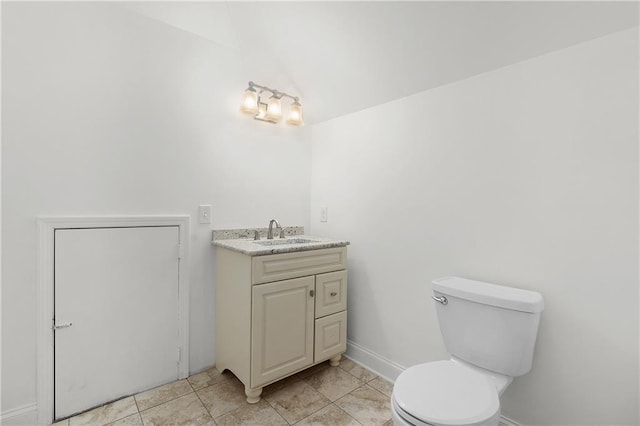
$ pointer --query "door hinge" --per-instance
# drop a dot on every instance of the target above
(180, 253)
(179, 355)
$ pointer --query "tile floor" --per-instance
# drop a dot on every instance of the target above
(321, 395)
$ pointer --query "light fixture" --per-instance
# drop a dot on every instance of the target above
(274, 108)
(295, 113)
(250, 100)
(271, 111)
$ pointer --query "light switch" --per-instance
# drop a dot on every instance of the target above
(204, 213)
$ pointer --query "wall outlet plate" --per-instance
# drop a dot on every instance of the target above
(323, 214)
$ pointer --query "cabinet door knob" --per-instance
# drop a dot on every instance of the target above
(311, 293)
(334, 293)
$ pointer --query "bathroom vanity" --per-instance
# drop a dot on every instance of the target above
(280, 307)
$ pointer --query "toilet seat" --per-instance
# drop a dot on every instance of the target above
(445, 393)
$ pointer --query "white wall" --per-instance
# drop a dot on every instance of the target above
(525, 176)
(107, 112)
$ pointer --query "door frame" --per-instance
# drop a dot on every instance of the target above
(45, 292)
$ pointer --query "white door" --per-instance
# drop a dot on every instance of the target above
(118, 290)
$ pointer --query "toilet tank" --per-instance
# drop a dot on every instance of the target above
(489, 325)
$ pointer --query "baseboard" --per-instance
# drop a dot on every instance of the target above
(23, 415)
(380, 365)
(388, 369)
(505, 421)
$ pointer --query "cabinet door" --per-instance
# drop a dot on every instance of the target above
(331, 336)
(282, 329)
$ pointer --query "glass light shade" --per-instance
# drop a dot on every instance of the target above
(250, 101)
(262, 111)
(295, 114)
(274, 109)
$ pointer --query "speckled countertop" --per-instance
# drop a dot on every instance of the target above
(251, 247)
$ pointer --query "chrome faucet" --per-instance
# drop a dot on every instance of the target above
(270, 233)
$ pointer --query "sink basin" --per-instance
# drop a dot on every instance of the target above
(279, 242)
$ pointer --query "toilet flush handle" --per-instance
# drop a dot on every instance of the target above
(440, 299)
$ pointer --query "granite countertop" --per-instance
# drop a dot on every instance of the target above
(251, 247)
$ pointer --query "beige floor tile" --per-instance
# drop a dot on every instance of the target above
(333, 382)
(312, 370)
(252, 414)
(382, 385)
(287, 381)
(223, 397)
(357, 370)
(162, 394)
(186, 410)
(296, 401)
(208, 378)
(367, 406)
(304, 398)
(106, 414)
(331, 415)
(132, 420)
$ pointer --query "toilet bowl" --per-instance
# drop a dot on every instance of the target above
(490, 332)
(445, 393)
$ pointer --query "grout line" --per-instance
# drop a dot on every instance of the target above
(136, 402)
(340, 408)
(365, 369)
(163, 402)
(205, 407)
(319, 409)
(281, 416)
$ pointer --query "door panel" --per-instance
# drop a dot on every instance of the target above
(331, 336)
(118, 287)
(282, 329)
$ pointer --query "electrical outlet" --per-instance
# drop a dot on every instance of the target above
(204, 213)
(323, 214)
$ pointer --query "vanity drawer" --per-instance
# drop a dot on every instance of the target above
(331, 293)
(330, 336)
(276, 267)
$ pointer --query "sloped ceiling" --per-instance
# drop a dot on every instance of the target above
(342, 57)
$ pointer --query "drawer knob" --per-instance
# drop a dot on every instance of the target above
(334, 293)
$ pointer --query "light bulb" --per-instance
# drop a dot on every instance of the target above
(250, 101)
(295, 114)
(274, 109)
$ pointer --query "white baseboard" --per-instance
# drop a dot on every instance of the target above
(505, 421)
(23, 415)
(388, 369)
(380, 365)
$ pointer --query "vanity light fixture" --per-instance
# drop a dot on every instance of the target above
(270, 111)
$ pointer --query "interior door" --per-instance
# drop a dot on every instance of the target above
(116, 313)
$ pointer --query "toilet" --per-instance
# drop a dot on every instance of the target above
(490, 332)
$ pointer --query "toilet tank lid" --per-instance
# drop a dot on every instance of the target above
(490, 294)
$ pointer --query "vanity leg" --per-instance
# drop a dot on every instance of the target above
(335, 361)
(253, 395)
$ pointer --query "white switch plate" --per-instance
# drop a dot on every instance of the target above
(323, 214)
(204, 213)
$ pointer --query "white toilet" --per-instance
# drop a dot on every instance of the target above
(490, 332)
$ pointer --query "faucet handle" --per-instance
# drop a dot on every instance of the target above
(282, 232)
(256, 235)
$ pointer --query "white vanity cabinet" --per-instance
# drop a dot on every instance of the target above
(277, 314)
